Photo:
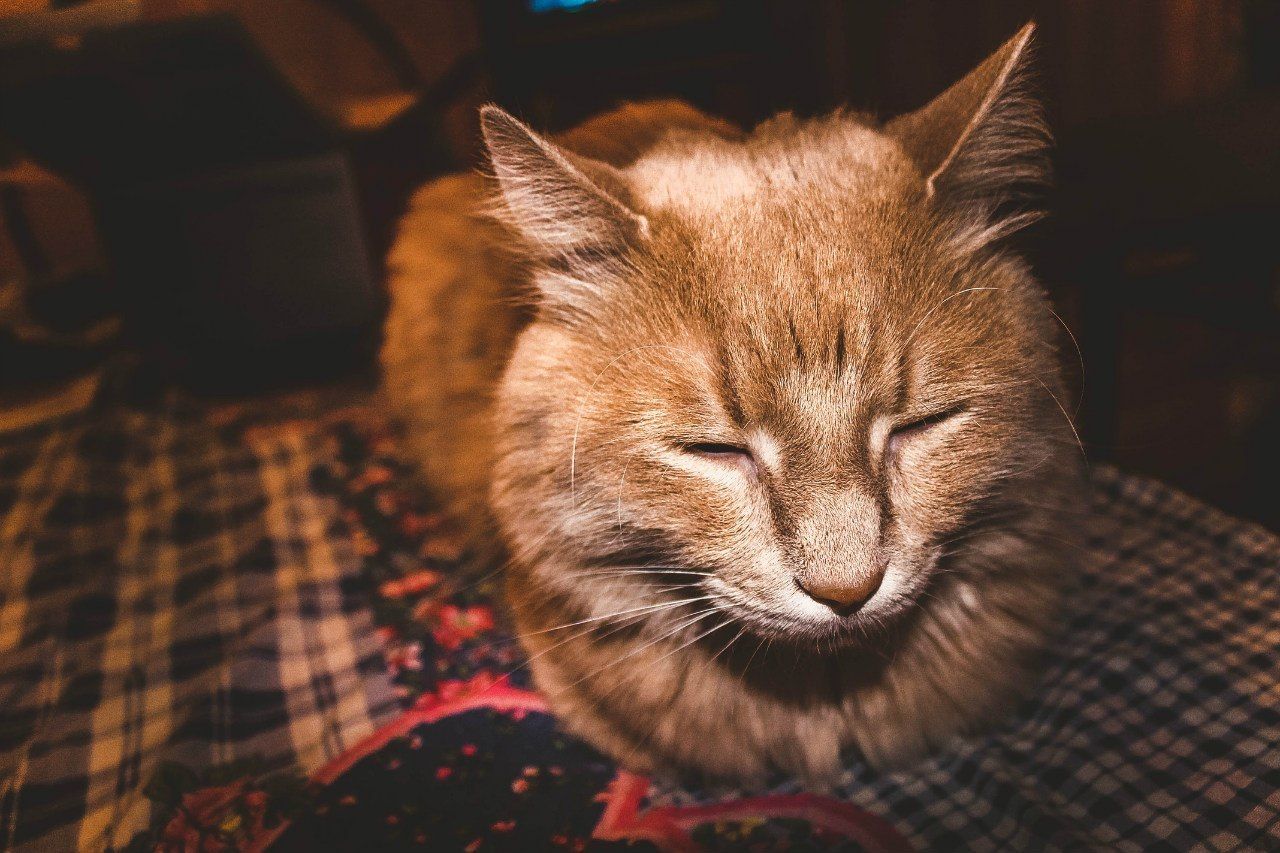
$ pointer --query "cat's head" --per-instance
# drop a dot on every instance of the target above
(778, 374)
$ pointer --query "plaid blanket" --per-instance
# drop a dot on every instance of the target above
(1156, 724)
(187, 662)
(172, 594)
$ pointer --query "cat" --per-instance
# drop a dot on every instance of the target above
(770, 424)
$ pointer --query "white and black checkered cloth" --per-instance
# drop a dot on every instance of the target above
(1157, 725)
(169, 590)
(175, 590)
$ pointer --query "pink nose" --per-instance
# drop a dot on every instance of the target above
(845, 595)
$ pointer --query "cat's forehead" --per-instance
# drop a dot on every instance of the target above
(705, 178)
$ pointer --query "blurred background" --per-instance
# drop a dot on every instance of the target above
(199, 193)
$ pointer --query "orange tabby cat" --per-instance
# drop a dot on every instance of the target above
(772, 435)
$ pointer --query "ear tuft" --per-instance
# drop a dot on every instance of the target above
(984, 139)
(556, 200)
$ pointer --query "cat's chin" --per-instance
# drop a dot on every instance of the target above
(801, 628)
(857, 631)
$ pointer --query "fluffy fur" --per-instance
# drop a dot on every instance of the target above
(769, 423)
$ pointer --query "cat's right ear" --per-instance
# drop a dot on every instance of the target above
(563, 204)
(983, 139)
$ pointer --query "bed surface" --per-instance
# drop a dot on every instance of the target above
(232, 628)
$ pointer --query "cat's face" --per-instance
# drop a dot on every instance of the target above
(807, 426)
(780, 388)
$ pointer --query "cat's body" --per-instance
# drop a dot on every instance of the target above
(777, 452)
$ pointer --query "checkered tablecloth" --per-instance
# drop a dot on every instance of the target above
(171, 590)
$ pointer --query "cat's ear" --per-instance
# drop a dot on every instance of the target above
(983, 139)
(562, 203)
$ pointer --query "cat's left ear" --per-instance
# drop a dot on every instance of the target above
(562, 203)
(984, 138)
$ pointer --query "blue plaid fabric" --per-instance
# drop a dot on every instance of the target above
(170, 590)
(174, 588)
(1156, 725)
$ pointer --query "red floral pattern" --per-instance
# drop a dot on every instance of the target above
(452, 625)
(230, 807)
(411, 584)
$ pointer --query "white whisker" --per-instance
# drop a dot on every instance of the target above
(942, 302)
(642, 609)
(683, 625)
(1079, 443)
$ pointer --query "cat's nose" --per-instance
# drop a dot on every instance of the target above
(845, 595)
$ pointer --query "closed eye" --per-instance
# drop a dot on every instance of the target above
(723, 453)
(912, 429)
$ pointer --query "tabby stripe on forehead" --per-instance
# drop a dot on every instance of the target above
(729, 395)
(795, 339)
(907, 378)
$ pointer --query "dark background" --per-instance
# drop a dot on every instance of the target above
(1161, 252)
